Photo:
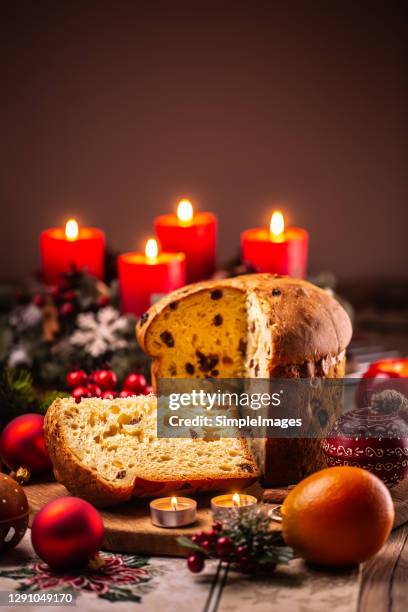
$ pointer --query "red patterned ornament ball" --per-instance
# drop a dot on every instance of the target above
(22, 444)
(67, 533)
(372, 440)
(13, 513)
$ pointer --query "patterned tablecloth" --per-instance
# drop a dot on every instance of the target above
(166, 584)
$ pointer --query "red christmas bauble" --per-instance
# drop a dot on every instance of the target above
(67, 533)
(22, 444)
(105, 379)
(77, 378)
(371, 440)
(135, 382)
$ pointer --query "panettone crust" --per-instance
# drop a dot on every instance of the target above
(306, 324)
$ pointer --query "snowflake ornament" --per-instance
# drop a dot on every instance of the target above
(100, 332)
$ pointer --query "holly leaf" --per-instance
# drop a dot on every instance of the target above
(187, 543)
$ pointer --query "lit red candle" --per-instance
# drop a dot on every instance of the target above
(276, 249)
(77, 247)
(193, 233)
(145, 277)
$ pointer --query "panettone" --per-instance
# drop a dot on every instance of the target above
(252, 326)
(257, 325)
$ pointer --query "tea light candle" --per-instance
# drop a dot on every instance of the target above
(223, 504)
(173, 511)
(193, 233)
(276, 249)
(72, 246)
(149, 275)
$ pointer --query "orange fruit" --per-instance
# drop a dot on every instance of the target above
(338, 516)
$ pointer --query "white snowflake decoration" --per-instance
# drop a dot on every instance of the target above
(100, 332)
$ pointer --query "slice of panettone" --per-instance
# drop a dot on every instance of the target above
(105, 451)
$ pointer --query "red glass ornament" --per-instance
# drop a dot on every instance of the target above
(67, 533)
(135, 382)
(22, 444)
(94, 390)
(105, 379)
(77, 378)
(79, 392)
(195, 563)
(147, 390)
(372, 440)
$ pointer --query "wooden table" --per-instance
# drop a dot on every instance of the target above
(384, 579)
(379, 585)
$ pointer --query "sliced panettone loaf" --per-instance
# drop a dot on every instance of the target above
(107, 450)
(257, 326)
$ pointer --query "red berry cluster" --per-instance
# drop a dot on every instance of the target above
(214, 544)
(65, 299)
(104, 384)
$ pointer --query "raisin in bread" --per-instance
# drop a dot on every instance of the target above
(105, 451)
(252, 326)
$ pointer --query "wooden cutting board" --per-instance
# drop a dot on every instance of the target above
(128, 528)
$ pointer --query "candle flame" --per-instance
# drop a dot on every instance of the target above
(277, 226)
(71, 229)
(174, 503)
(152, 249)
(236, 500)
(185, 211)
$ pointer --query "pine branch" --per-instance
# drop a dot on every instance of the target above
(17, 394)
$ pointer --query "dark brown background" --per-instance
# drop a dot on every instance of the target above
(112, 110)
